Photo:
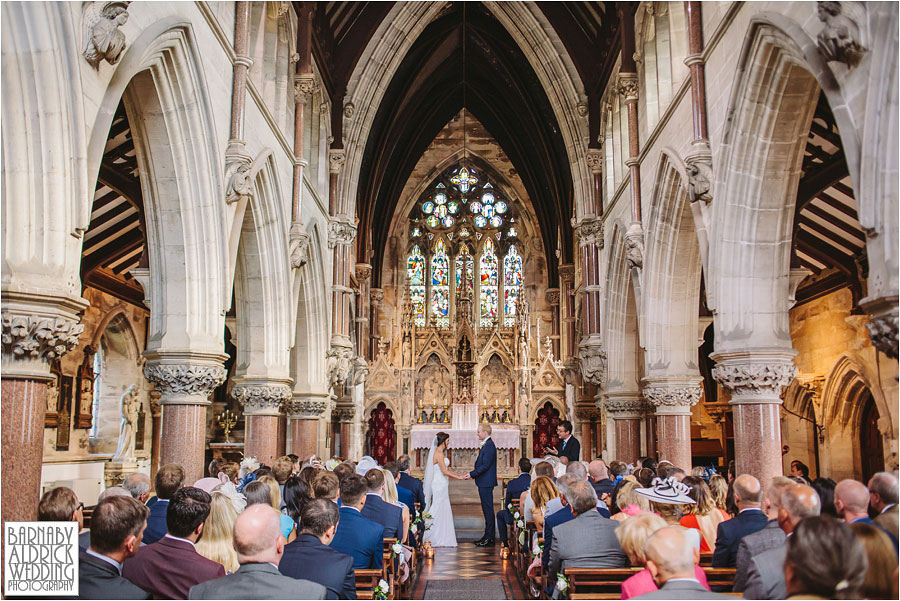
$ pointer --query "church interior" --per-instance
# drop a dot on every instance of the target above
(248, 229)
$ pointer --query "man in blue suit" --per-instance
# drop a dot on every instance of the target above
(514, 489)
(380, 511)
(310, 558)
(169, 479)
(750, 519)
(851, 500)
(361, 539)
(405, 496)
(414, 485)
(485, 476)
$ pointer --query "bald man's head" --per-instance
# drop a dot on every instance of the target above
(670, 554)
(798, 501)
(747, 491)
(597, 470)
(851, 499)
(257, 535)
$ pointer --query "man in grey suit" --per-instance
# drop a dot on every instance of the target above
(259, 545)
(588, 541)
(768, 538)
(765, 575)
(671, 557)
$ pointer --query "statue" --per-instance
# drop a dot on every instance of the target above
(840, 39)
(129, 406)
(103, 40)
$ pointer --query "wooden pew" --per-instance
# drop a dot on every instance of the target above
(595, 583)
(720, 577)
(388, 567)
(706, 560)
(366, 581)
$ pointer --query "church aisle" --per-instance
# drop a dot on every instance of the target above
(468, 563)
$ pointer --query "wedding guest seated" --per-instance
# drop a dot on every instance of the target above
(672, 559)
(84, 539)
(310, 558)
(560, 517)
(600, 479)
(255, 495)
(749, 519)
(824, 560)
(216, 542)
(260, 547)
(851, 499)
(627, 501)
(326, 485)
(342, 470)
(633, 534)
(378, 510)
(514, 490)
(117, 526)
(169, 478)
(542, 468)
(768, 538)
(169, 568)
(543, 490)
(765, 574)
(718, 486)
(588, 541)
(138, 485)
(883, 499)
(404, 495)
(390, 495)
(297, 493)
(702, 515)
(360, 538)
(881, 559)
(414, 485)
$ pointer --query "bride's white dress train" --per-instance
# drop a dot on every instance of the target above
(441, 533)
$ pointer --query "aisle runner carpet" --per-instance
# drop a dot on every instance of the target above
(488, 588)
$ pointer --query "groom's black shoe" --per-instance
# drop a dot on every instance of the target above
(488, 542)
(478, 542)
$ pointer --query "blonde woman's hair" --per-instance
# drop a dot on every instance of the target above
(701, 494)
(542, 490)
(274, 491)
(667, 511)
(218, 530)
(718, 487)
(626, 496)
(389, 493)
(634, 532)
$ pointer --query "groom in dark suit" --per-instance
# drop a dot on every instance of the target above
(485, 476)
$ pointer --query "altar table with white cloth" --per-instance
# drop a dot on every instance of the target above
(504, 436)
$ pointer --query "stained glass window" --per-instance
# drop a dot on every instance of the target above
(512, 284)
(463, 180)
(415, 273)
(440, 286)
(489, 284)
(465, 272)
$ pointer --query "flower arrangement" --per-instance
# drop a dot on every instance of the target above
(562, 583)
(423, 520)
(520, 524)
(396, 550)
(382, 590)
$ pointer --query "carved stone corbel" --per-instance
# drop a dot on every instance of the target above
(298, 246)
(338, 365)
(304, 87)
(592, 357)
(634, 245)
(840, 39)
(237, 177)
(100, 25)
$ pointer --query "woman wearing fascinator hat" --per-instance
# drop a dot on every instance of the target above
(665, 496)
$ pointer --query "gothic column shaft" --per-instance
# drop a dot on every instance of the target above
(303, 414)
(241, 66)
(24, 405)
(567, 299)
(625, 409)
(376, 295)
(695, 63)
(587, 442)
(262, 401)
(553, 299)
(673, 400)
(363, 308)
(182, 439)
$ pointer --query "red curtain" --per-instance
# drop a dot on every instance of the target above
(381, 437)
(545, 429)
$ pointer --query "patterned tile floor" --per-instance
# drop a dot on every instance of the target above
(468, 562)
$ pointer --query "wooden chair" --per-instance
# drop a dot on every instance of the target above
(720, 577)
(597, 583)
(87, 512)
(366, 581)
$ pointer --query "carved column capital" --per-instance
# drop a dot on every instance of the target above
(754, 377)
(627, 85)
(305, 408)
(567, 273)
(672, 397)
(594, 158)
(298, 246)
(363, 272)
(344, 414)
(589, 231)
(304, 87)
(336, 158)
(592, 357)
(340, 232)
(37, 329)
(184, 378)
(624, 405)
(261, 397)
(553, 296)
(377, 295)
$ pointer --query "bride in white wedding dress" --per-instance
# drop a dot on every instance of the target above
(437, 494)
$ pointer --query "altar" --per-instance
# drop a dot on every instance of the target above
(464, 444)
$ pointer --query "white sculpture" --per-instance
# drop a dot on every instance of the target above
(129, 406)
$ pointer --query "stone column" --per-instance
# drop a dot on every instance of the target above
(587, 432)
(304, 86)
(376, 295)
(567, 300)
(553, 299)
(625, 410)
(262, 401)
(363, 310)
(237, 159)
(756, 380)
(304, 413)
(673, 400)
(156, 429)
(36, 330)
(184, 382)
(345, 417)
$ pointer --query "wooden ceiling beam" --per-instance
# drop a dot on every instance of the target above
(114, 249)
(126, 186)
(830, 236)
(828, 217)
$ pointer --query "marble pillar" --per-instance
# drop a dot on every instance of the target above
(625, 409)
(673, 400)
(345, 417)
(156, 429)
(587, 443)
(567, 307)
(553, 300)
(303, 414)
(262, 401)
(184, 381)
(36, 329)
(756, 380)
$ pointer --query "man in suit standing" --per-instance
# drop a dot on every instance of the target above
(671, 557)
(310, 558)
(851, 500)
(750, 519)
(380, 511)
(117, 527)
(169, 568)
(883, 499)
(360, 538)
(765, 574)
(569, 449)
(514, 488)
(768, 538)
(169, 478)
(414, 485)
(589, 540)
(260, 547)
(485, 476)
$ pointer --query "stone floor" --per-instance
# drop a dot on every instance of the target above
(468, 562)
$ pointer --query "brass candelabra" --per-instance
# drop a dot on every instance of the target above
(227, 421)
